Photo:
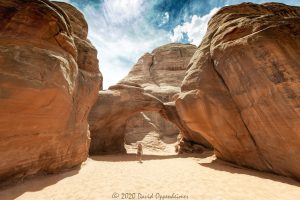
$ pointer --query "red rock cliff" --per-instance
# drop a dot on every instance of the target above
(49, 79)
(242, 90)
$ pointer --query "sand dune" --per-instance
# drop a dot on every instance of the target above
(192, 176)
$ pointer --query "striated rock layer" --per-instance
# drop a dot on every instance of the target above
(124, 109)
(49, 79)
(242, 89)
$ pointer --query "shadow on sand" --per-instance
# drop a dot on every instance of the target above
(132, 157)
(40, 182)
(34, 183)
(221, 165)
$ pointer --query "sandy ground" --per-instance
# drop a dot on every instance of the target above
(188, 176)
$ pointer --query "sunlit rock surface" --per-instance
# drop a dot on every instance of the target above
(49, 79)
(242, 90)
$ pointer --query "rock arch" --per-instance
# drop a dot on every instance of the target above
(114, 106)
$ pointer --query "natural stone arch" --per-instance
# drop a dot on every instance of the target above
(114, 106)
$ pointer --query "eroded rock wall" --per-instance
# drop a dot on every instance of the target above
(49, 79)
(242, 90)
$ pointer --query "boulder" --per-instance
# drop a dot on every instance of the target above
(242, 89)
(49, 80)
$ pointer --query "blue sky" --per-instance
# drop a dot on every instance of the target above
(123, 30)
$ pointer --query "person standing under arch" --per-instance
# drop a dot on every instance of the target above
(139, 152)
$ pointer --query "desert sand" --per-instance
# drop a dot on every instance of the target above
(186, 176)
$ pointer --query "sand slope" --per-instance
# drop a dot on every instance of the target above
(196, 177)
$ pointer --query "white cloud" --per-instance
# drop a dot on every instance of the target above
(121, 35)
(195, 29)
(120, 11)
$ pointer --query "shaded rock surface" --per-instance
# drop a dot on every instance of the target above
(109, 115)
(150, 128)
(242, 89)
(49, 79)
(160, 73)
(137, 107)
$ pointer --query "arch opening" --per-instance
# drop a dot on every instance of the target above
(114, 107)
(157, 134)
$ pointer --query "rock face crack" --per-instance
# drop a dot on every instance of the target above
(264, 160)
(152, 71)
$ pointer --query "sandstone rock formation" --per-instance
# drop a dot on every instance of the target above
(49, 79)
(123, 110)
(108, 116)
(160, 74)
(152, 130)
(242, 89)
